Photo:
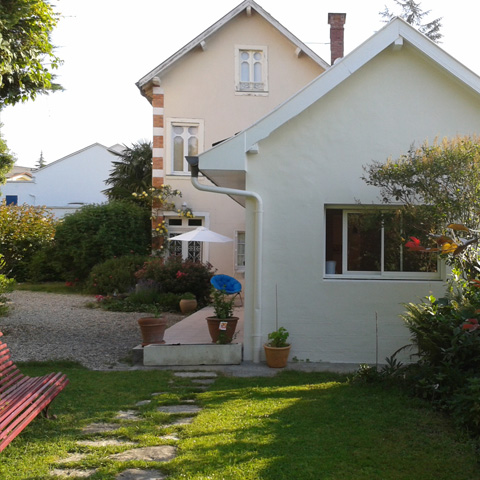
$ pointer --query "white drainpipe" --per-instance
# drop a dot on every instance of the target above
(257, 314)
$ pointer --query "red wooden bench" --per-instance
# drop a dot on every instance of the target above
(22, 398)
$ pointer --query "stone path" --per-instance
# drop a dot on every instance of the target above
(158, 453)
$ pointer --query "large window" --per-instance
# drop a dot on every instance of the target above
(186, 139)
(251, 69)
(367, 243)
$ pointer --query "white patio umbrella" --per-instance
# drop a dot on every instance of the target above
(202, 234)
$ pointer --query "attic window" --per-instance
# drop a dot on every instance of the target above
(251, 70)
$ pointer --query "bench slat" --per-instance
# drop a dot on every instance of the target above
(22, 398)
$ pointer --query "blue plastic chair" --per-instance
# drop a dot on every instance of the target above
(230, 285)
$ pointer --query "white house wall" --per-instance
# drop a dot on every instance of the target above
(316, 159)
(67, 183)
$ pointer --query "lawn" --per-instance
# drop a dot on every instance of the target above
(295, 425)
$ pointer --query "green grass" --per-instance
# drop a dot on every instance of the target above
(296, 425)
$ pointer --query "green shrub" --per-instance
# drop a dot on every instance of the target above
(97, 233)
(116, 275)
(44, 266)
(6, 285)
(175, 275)
(24, 229)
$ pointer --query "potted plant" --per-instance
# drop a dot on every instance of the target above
(223, 324)
(277, 349)
(188, 303)
(153, 328)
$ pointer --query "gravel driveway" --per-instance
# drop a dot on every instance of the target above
(48, 326)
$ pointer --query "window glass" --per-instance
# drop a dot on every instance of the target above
(373, 242)
(185, 141)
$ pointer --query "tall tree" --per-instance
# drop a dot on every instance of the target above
(414, 15)
(132, 173)
(26, 53)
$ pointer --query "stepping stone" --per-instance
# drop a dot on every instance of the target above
(207, 381)
(104, 443)
(156, 394)
(100, 428)
(180, 422)
(195, 374)
(169, 437)
(143, 402)
(163, 453)
(137, 474)
(127, 415)
(188, 401)
(72, 473)
(74, 457)
(179, 409)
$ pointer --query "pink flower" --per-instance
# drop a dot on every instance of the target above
(180, 274)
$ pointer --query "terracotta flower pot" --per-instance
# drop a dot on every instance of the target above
(188, 305)
(214, 325)
(153, 330)
(277, 357)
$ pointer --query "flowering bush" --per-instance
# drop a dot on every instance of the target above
(174, 275)
(24, 229)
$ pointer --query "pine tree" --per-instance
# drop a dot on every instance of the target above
(41, 161)
(413, 15)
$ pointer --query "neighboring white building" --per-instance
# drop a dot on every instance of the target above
(302, 165)
(66, 184)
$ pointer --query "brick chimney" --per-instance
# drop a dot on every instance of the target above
(336, 22)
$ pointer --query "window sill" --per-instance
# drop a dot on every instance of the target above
(396, 278)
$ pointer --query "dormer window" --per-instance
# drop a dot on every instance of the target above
(251, 70)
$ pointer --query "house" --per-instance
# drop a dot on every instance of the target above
(65, 184)
(299, 173)
(229, 76)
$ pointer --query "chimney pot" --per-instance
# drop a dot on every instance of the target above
(336, 22)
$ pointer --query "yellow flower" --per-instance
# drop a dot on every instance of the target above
(449, 247)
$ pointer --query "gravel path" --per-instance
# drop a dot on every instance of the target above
(47, 326)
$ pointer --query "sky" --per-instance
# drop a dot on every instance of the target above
(108, 45)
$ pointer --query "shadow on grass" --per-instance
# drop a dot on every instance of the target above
(318, 426)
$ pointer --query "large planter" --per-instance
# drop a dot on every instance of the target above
(218, 335)
(188, 305)
(153, 330)
(277, 357)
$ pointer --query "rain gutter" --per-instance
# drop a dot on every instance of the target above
(257, 314)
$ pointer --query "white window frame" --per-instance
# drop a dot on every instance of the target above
(252, 89)
(368, 275)
(170, 150)
(238, 266)
(174, 230)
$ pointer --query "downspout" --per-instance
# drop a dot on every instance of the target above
(257, 314)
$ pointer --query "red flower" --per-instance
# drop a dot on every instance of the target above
(471, 325)
(180, 274)
(414, 244)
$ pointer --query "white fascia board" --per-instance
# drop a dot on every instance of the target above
(231, 157)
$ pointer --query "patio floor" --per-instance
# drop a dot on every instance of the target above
(188, 343)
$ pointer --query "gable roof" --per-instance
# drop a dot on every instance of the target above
(226, 163)
(198, 41)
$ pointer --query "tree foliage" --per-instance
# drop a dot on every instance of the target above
(96, 233)
(7, 159)
(414, 15)
(132, 173)
(442, 180)
(26, 54)
(24, 229)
